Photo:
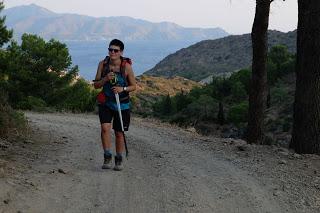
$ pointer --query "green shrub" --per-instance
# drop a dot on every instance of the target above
(181, 118)
(10, 120)
(31, 103)
(77, 98)
(279, 94)
(238, 91)
(239, 113)
(287, 123)
(288, 67)
(181, 101)
(242, 76)
(164, 107)
(203, 109)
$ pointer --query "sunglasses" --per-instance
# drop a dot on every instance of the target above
(113, 50)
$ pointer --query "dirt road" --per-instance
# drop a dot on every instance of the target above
(168, 170)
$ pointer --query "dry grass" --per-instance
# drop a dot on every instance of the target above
(12, 123)
(156, 86)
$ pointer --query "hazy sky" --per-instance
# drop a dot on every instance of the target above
(235, 16)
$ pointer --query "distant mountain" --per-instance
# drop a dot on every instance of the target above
(216, 57)
(47, 24)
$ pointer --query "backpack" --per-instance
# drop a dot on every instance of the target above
(124, 61)
(101, 97)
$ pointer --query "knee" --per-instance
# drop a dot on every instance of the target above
(119, 135)
(105, 128)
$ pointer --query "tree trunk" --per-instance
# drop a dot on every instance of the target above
(258, 89)
(268, 98)
(306, 126)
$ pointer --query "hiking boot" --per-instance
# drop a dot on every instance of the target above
(107, 163)
(118, 164)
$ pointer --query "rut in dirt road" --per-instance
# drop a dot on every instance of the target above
(168, 171)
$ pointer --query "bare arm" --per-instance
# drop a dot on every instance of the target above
(99, 82)
(131, 79)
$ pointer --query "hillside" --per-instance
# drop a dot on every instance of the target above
(216, 57)
(47, 24)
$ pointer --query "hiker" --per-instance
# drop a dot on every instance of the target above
(114, 75)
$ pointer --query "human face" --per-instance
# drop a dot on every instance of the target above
(114, 52)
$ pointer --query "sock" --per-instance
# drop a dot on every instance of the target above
(107, 152)
(119, 154)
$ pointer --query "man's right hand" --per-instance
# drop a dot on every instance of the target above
(109, 76)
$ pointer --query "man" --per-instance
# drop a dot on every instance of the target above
(114, 75)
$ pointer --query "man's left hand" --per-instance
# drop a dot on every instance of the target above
(117, 89)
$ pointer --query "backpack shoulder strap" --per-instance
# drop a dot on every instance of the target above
(105, 69)
(124, 62)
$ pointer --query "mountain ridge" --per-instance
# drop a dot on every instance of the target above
(66, 26)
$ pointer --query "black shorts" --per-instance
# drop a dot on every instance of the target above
(106, 115)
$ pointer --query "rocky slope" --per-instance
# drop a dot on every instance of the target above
(216, 57)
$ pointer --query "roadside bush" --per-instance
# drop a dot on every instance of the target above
(164, 107)
(77, 98)
(242, 76)
(32, 103)
(204, 109)
(37, 70)
(238, 113)
(181, 118)
(181, 101)
(288, 67)
(238, 91)
(279, 94)
(11, 122)
(287, 124)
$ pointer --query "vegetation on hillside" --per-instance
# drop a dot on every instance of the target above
(38, 75)
(11, 122)
(225, 100)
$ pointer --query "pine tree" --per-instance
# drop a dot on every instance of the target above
(5, 34)
(306, 126)
(259, 85)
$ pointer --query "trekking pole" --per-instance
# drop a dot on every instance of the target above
(121, 121)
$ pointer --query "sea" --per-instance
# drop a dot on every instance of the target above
(144, 54)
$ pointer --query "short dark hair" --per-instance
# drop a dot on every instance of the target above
(118, 43)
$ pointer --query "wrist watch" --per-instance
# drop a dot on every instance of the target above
(125, 88)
